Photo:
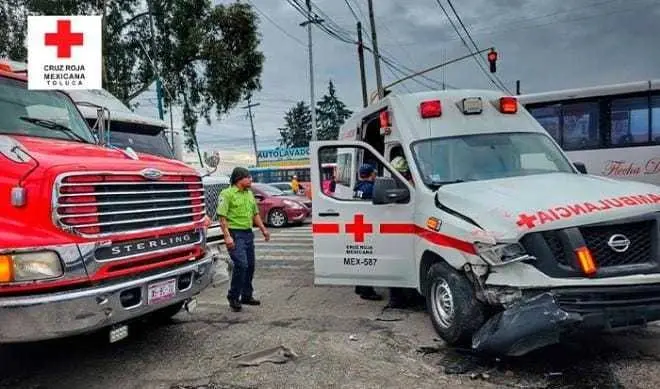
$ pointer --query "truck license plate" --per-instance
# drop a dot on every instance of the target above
(161, 291)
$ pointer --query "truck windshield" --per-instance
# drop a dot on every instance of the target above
(489, 156)
(46, 114)
(148, 142)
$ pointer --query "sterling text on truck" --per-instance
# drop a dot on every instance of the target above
(512, 244)
(90, 236)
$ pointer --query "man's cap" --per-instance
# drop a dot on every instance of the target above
(366, 169)
(238, 174)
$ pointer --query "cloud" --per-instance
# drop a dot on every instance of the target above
(546, 44)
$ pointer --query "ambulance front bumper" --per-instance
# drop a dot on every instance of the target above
(544, 317)
(56, 315)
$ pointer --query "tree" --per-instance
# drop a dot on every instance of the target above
(331, 113)
(297, 130)
(207, 54)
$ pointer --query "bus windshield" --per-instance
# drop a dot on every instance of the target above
(490, 156)
(45, 114)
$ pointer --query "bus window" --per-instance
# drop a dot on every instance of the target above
(548, 117)
(629, 121)
(655, 118)
(580, 129)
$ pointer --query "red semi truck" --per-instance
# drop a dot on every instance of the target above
(91, 237)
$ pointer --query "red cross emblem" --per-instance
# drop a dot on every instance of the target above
(359, 229)
(526, 220)
(64, 39)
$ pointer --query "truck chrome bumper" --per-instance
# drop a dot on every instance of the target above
(56, 315)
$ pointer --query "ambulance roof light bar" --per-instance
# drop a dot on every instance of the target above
(430, 109)
(508, 105)
(472, 105)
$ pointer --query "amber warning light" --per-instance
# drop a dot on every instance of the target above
(586, 261)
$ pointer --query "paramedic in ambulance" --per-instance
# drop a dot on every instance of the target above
(364, 190)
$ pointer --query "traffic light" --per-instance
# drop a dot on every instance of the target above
(492, 59)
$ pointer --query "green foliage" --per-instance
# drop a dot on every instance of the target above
(297, 130)
(207, 54)
(331, 113)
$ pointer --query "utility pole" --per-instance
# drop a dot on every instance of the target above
(374, 43)
(159, 85)
(312, 19)
(254, 135)
(363, 77)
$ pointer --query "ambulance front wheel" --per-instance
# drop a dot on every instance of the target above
(455, 311)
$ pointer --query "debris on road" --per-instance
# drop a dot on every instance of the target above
(278, 355)
(353, 338)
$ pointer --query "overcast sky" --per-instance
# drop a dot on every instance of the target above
(547, 44)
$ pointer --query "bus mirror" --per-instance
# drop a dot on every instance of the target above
(580, 167)
(386, 191)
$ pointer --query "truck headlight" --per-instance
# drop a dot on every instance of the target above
(293, 204)
(502, 253)
(22, 267)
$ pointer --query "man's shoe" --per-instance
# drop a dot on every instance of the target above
(235, 305)
(250, 301)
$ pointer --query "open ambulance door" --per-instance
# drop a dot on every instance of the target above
(356, 241)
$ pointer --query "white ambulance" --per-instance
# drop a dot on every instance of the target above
(512, 244)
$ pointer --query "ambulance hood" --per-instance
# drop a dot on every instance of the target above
(507, 208)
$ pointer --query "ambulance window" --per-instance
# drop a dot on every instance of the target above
(356, 170)
(489, 156)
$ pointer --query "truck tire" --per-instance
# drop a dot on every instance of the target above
(455, 312)
(163, 315)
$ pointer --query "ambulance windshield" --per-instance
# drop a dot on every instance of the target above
(487, 156)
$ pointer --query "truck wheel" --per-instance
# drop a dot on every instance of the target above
(163, 315)
(455, 312)
(277, 218)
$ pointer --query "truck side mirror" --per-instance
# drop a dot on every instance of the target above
(386, 191)
(580, 167)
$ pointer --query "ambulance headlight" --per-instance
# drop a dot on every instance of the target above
(502, 253)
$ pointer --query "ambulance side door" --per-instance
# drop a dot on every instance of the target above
(361, 241)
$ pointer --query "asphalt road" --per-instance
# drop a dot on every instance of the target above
(339, 340)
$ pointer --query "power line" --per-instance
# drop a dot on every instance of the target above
(468, 46)
(352, 11)
(472, 41)
(334, 30)
(275, 24)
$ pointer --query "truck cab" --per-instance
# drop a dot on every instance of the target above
(512, 245)
(91, 237)
(127, 130)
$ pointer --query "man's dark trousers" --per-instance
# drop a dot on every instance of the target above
(242, 255)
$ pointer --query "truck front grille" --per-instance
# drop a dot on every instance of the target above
(93, 204)
(639, 251)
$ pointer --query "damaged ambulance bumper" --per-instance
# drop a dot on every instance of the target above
(542, 318)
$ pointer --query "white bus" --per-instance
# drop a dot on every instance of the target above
(613, 129)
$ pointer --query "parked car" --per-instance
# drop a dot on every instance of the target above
(286, 187)
(278, 209)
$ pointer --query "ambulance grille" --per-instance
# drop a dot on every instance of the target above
(104, 204)
(640, 250)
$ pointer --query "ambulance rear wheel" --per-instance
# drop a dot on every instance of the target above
(455, 312)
